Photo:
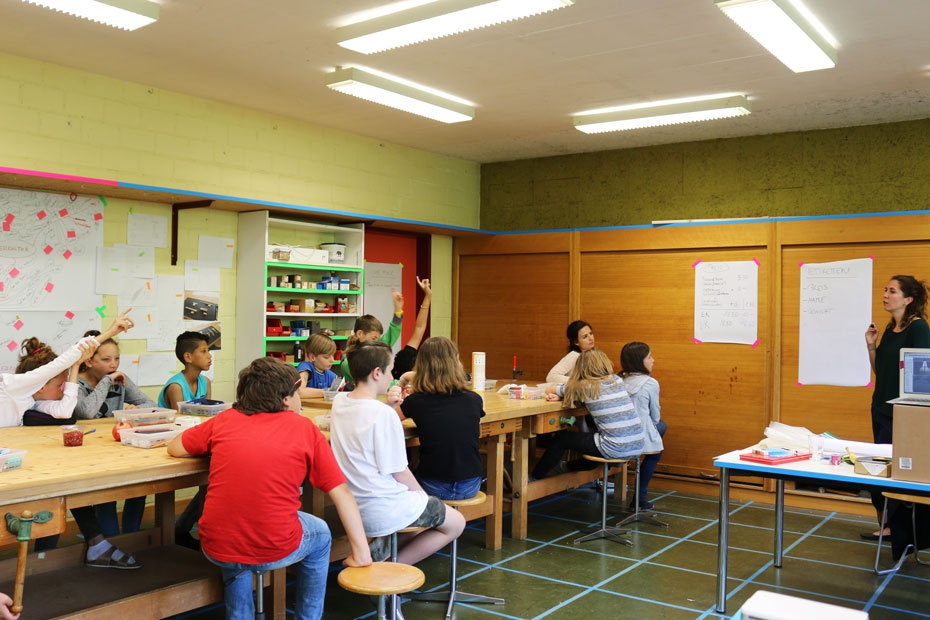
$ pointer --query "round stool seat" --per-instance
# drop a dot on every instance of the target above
(474, 500)
(599, 459)
(381, 578)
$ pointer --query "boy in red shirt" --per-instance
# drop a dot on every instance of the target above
(262, 451)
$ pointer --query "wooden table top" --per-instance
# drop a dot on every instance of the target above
(50, 469)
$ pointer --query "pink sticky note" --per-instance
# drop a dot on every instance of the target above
(1, 287)
(49, 286)
(696, 341)
(48, 249)
(6, 227)
(9, 217)
(696, 263)
(63, 213)
(98, 216)
(755, 344)
(18, 324)
(67, 254)
(69, 315)
(41, 215)
(14, 272)
(800, 384)
(12, 346)
(71, 234)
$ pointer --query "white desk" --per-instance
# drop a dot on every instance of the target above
(731, 463)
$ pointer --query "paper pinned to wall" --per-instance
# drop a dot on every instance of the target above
(156, 368)
(215, 251)
(199, 276)
(146, 229)
(380, 279)
(836, 309)
(59, 330)
(726, 302)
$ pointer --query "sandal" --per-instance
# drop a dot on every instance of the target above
(106, 560)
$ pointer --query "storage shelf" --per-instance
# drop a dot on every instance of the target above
(297, 338)
(323, 315)
(326, 267)
(329, 291)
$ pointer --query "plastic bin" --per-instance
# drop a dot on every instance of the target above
(12, 459)
(146, 416)
(202, 406)
(153, 436)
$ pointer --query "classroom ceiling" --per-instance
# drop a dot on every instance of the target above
(526, 78)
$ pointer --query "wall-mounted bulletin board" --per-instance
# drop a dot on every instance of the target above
(638, 284)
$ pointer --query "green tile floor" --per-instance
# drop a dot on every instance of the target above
(669, 574)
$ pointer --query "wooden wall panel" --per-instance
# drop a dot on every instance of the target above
(843, 411)
(513, 304)
(713, 396)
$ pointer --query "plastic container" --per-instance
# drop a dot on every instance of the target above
(490, 384)
(153, 436)
(12, 459)
(146, 416)
(337, 251)
(72, 436)
(329, 395)
(202, 406)
(323, 421)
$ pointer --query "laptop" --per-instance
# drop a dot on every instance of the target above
(914, 386)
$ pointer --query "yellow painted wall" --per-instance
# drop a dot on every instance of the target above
(56, 119)
(876, 168)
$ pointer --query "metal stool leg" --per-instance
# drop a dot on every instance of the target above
(638, 516)
(610, 533)
(878, 550)
(260, 596)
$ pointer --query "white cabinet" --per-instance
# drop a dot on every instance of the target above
(266, 287)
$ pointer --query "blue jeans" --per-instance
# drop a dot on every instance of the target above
(460, 489)
(133, 509)
(312, 559)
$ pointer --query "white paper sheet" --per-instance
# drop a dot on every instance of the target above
(145, 229)
(835, 311)
(129, 366)
(216, 251)
(157, 368)
(726, 302)
(201, 277)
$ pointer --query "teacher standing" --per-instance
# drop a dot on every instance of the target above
(905, 299)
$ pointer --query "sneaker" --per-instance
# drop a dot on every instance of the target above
(643, 505)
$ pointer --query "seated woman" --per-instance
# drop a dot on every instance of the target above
(619, 432)
(580, 338)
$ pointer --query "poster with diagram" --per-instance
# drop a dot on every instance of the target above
(726, 302)
(48, 248)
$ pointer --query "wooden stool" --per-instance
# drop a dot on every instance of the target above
(909, 499)
(611, 533)
(394, 602)
(382, 579)
(637, 515)
(453, 595)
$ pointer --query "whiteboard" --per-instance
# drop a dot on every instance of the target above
(380, 278)
(726, 302)
(836, 309)
(59, 330)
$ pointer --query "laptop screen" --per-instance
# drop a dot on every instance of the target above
(915, 373)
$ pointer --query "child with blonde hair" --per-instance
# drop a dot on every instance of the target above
(619, 434)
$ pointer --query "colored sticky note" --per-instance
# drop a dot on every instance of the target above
(41, 215)
(18, 325)
(49, 286)
(102, 310)
(1, 287)
(98, 216)
(14, 272)
(69, 315)
(48, 249)
(67, 254)
(63, 213)
(12, 345)
(9, 217)
(71, 234)
(6, 227)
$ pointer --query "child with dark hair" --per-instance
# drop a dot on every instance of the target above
(367, 328)
(41, 376)
(368, 441)
(636, 361)
(192, 349)
(252, 518)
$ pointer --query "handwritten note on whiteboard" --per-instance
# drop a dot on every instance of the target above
(836, 309)
(726, 302)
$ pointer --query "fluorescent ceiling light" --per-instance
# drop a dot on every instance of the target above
(662, 113)
(437, 19)
(400, 95)
(786, 29)
(125, 14)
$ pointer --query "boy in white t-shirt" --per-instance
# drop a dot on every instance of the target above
(368, 440)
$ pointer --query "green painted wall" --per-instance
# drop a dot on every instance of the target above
(876, 168)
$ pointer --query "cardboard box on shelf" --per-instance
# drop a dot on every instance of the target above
(910, 458)
(309, 256)
(302, 305)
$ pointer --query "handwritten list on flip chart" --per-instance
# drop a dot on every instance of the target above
(835, 311)
(726, 302)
